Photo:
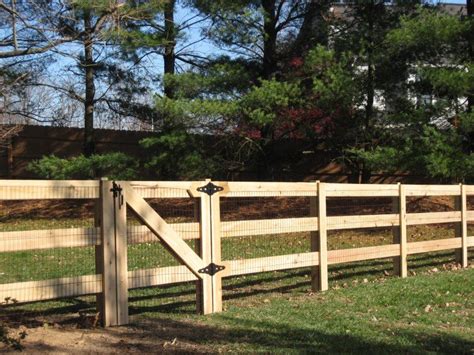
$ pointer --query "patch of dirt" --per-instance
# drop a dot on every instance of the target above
(147, 337)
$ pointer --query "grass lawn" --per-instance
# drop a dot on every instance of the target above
(366, 308)
(429, 313)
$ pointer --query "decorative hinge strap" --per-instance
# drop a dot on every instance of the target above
(212, 269)
(210, 189)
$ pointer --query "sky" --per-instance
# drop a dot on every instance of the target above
(204, 47)
(153, 64)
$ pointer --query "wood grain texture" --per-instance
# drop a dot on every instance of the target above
(49, 238)
(271, 263)
(48, 189)
(362, 221)
(159, 276)
(51, 289)
(360, 254)
(434, 245)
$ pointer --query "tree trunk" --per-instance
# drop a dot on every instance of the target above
(370, 89)
(313, 30)
(470, 13)
(89, 141)
(370, 92)
(169, 55)
(270, 38)
(14, 31)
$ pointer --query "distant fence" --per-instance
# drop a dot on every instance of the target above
(34, 142)
(291, 159)
(207, 231)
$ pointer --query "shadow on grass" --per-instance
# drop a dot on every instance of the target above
(158, 301)
(27, 315)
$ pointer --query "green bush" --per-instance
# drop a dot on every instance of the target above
(175, 154)
(112, 165)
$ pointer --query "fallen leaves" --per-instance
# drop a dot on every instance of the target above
(168, 343)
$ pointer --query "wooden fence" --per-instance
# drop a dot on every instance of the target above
(205, 265)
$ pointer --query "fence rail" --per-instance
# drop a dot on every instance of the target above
(112, 233)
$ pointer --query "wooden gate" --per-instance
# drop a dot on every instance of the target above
(205, 264)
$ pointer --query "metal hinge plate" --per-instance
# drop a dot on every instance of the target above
(210, 189)
(212, 269)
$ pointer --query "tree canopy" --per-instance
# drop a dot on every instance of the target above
(378, 87)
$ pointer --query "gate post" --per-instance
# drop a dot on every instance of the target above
(216, 252)
(113, 255)
(205, 284)
(209, 290)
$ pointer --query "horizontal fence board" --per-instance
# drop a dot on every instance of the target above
(164, 189)
(469, 189)
(360, 190)
(48, 189)
(470, 241)
(432, 190)
(159, 276)
(360, 254)
(267, 189)
(433, 218)
(270, 263)
(142, 234)
(470, 216)
(364, 221)
(49, 238)
(434, 245)
(51, 289)
(268, 226)
(84, 237)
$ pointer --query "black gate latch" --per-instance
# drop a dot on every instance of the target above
(210, 188)
(212, 269)
(117, 190)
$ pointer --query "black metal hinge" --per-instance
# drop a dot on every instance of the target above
(212, 269)
(117, 191)
(210, 189)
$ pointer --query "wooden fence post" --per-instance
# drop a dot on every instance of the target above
(322, 228)
(98, 248)
(197, 248)
(400, 233)
(313, 211)
(403, 232)
(113, 257)
(205, 288)
(216, 252)
(396, 232)
(460, 230)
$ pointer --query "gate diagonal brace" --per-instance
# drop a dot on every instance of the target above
(210, 189)
(212, 269)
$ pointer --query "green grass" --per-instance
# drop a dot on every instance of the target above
(67, 262)
(366, 308)
(429, 313)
